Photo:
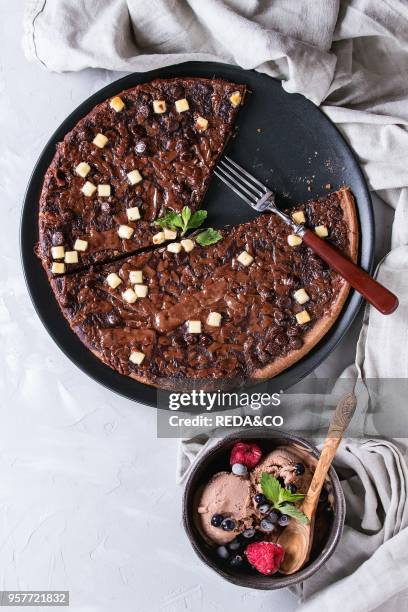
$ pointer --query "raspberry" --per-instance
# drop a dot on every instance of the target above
(265, 557)
(247, 454)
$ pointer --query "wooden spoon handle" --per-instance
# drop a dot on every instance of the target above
(380, 297)
(339, 422)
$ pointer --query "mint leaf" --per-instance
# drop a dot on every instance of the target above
(286, 496)
(294, 513)
(208, 236)
(197, 219)
(184, 221)
(270, 487)
(185, 216)
(171, 220)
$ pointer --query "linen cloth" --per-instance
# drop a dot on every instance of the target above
(350, 57)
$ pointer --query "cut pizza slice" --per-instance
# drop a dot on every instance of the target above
(147, 150)
(244, 308)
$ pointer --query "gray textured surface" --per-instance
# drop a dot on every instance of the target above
(88, 495)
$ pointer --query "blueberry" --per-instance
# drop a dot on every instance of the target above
(237, 560)
(267, 525)
(249, 533)
(239, 469)
(222, 552)
(260, 498)
(283, 520)
(281, 481)
(292, 487)
(216, 520)
(140, 146)
(274, 516)
(228, 524)
(264, 508)
(234, 545)
(299, 469)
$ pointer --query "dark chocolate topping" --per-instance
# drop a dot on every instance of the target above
(256, 302)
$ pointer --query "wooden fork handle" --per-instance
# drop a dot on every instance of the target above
(377, 295)
(339, 422)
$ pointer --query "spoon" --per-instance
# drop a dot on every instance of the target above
(297, 538)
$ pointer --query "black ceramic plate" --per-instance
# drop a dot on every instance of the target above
(283, 139)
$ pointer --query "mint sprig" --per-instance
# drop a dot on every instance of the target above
(282, 499)
(184, 220)
(270, 487)
(208, 236)
(171, 220)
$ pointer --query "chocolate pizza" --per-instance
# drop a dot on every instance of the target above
(225, 306)
(243, 308)
(149, 149)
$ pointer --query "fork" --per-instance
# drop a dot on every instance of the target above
(261, 199)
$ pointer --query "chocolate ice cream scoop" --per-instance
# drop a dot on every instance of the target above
(230, 496)
(293, 465)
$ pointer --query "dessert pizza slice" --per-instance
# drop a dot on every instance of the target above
(147, 150)
(246, 307)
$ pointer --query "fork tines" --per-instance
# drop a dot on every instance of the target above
(240, 181)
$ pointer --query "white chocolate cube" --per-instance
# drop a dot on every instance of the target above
(294, 240)
(182, 105)
(125, 231)
(137, 357)
(301, 296)
(133, 214)
(159, 106)
(141, 290)
(134, 177)
(170, 234)
(117, 104)
(159, 238)
(58, 268)
(299, 216)
(80, 245)
(214, 319)
(187, 244)
(129, 296)
(71, 257)
(302, 317)
(88, 189)
(83, 169)
(58, 252)
(135, 277)
(235, 98)
(322, 231)
(194, 327)
(245, 258)
(174, 247)
(100, 141)
(104, 191)
(113, 280)
(201, 124)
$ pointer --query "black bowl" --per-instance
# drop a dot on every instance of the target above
(216, 459)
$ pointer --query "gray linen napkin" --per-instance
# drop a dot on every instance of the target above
(370, 564)
(140, 35)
